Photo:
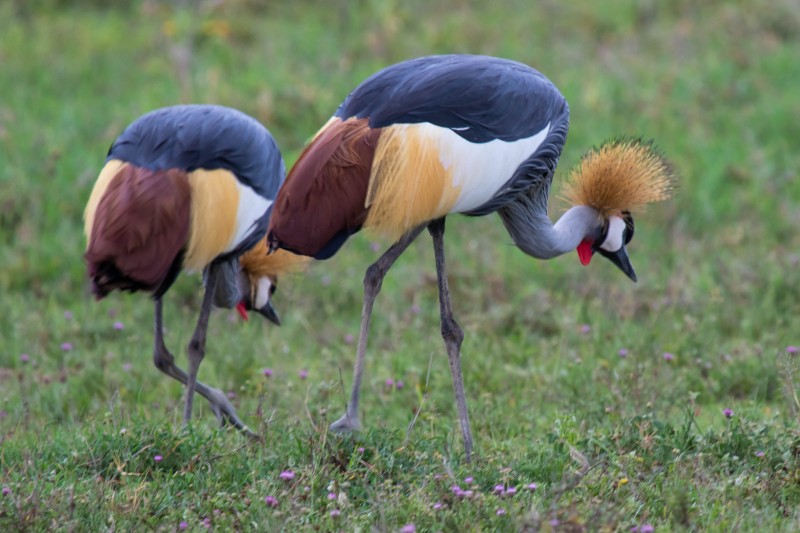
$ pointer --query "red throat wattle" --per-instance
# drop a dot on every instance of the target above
(242, 310)
(585, 251)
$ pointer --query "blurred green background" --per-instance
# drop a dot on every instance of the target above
(713, 83)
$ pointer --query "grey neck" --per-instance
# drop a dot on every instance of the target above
(537, 236)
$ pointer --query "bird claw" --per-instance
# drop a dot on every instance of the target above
(346, 424)
(226, 414)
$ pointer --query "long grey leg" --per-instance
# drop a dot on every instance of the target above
(197, 345)
(165, 362)
(372, 286)
(451, 333)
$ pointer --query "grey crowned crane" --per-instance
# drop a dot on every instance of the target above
(457, 134)
(188, 188)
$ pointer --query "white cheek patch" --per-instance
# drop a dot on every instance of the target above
(262, 293)
(616, 229)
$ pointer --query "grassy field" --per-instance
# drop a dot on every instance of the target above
(596, 403)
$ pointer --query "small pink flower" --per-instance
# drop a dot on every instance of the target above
(303, 374)
(183, 525)
(66, 346)
(468, 480)
(68, 315)
(555, 522)
(119, 326)
(792, 349)
(331, 495)
(349, 338)
(623, 352)
(267, 372)
(437, 477)
(467, 494)
(728, 412)
(437, 506)
(408, 528)
(511, 491)
(127, 367)
(586, 328)
(399, 384)
(389, 382)
(206, 522)
(668, 356)
(25, 358)
(760, 453)
(287, 475)
(499, 489)
(647, 528)
(501, 512)
(272, 501)
(158, 458)
(335, 513)
(361, 450)
(532, 486)
(231, 395)
(6, 491)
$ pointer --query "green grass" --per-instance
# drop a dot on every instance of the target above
(612, 442)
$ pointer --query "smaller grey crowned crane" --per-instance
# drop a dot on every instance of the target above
(190, 188)
(457, 134)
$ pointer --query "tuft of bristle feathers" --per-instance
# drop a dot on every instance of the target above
(621, 175)
(257, 262)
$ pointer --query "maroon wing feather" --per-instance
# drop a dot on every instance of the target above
(322, 200)
(140, 229)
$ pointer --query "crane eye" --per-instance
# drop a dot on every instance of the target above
(628, 218)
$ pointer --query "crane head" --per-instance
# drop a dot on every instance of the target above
(256, 295)
(610, 239)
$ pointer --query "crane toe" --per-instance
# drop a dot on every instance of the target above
(346, 424)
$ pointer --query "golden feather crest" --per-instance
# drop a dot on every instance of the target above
(257, 263)
(621, 175)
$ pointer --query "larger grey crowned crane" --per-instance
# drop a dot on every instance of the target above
(457, 134)
(187, 188)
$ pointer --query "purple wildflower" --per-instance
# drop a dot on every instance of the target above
(183, 525)
(586, 328)
(158, 458)
(792, 349)
(287, 475)
(437, 477)
(119, 326)
(389, 382)
(467, 494)
(272, 501)
(24, 358)
(555, 522)
(623, 352)
(408, 528)
(468, 480)
(267, 372)
(206, 522)
(399, 384)
(127, 367)
(68, 315)
(331, 495)
(668, 356)
(349, 338)
(647, 528)
(303, 374)
(499, 489)
(66, 346)
(634, 529)
(532, 486)
(510, 491)
(6, 491)
(437, 506)
(217, 512)
(501, 512)
(231, 395)
(361, 449)
(760, 453)
(728, 412)
(335, 513)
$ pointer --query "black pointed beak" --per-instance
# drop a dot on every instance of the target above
(270, 314)
(620, 258)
